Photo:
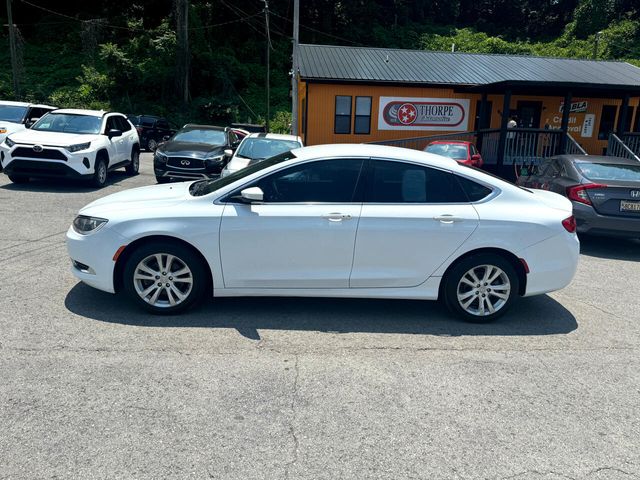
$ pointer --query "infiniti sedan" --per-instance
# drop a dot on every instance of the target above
(331, 221)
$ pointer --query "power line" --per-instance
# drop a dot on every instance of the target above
(321, 32)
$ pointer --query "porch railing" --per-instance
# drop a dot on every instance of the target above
(573, 147)
(618, 148)
(631, 140)
(521, 146)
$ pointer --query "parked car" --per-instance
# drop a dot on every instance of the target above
(151, 130)
(462, 152)
(16, 116)
(604, 191)
(331, 221)
(81, 144)
(240, 133)
(257, 147)
(195, 151)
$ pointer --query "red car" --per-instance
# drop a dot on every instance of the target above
(462, 152)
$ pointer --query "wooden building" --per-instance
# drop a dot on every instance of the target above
(408, 97)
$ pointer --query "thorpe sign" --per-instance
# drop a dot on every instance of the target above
(444, 114)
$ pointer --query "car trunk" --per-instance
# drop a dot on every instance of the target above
(616, 198)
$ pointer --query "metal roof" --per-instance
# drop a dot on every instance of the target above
(388, 65)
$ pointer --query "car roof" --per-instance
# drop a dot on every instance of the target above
(368, 150)
(276, 136)
(25, 104)
(205, 127)
(77, 111)
(453, 142)
(598, 159)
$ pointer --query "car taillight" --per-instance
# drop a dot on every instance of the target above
(578, 193)
(569, 224)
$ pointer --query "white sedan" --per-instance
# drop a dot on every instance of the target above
(331, 221)
(258, 146)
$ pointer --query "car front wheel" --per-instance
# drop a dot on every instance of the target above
(164, 278)
(481, 288)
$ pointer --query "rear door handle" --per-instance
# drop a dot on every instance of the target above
(336, 217)
(447, 218)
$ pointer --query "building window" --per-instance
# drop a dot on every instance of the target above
(343, 114)
(607, 121)
(362, 123)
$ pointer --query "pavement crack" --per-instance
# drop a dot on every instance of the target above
(292, 428)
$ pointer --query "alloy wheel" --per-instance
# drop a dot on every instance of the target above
(483, 290)
(163, 280)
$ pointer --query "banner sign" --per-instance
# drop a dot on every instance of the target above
(576, 107)
(587, 125)
(445, 114)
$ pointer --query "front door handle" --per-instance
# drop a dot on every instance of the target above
(336, 217)
(447, 218)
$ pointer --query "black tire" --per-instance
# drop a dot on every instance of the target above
(183, 257)
(134, 167)
(100, 172)
(162, 180)
(152, 145)
(478, 311)
(18, 178)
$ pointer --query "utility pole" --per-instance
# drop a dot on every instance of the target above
(595, 46)
(182, 27)
(294, 73)
(13, 52)
(266, 20)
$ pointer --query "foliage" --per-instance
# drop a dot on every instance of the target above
(123, 54)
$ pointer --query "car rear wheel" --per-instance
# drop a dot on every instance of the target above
(134, 167)
(164, 278)
(481, 288)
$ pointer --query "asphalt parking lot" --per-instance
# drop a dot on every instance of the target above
(256, 388)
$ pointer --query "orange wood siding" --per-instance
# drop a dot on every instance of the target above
(320, 106)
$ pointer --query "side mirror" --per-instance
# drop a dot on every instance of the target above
(114, 133)
(228, 152)
(476, 157)
(252, 194)
(165, 138)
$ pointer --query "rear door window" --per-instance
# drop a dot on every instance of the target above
(400, 182)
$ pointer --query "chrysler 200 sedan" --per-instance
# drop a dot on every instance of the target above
(331, 221)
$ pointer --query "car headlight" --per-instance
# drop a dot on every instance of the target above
(160, 157)
(10, 143)
(83, 224)
(78, 147)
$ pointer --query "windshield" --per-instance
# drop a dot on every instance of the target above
(69, 123)
(12, 113)
(457, 152)
(200, 135)
(257, 148)
(609, 171)
(205, 187)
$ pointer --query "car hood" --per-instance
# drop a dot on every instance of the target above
(553, 200)
(55, 139)
(153, 196)
(11, 127)
(191, 150)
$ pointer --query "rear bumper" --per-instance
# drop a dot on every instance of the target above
(552, 263)
(591, 222)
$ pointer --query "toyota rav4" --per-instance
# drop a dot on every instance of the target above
(83, 144)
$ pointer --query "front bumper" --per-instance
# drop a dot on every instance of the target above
(204, 169)
(92, 257)
(590, 222)
(51, 162)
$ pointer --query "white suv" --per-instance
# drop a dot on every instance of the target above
(16, 116)
(84, 144)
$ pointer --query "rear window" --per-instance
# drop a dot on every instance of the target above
(474, 191)
(457, 152)
(609, 171)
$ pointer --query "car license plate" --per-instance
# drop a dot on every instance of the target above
(626, 206)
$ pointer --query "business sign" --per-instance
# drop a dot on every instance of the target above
(587, 125)
(576, 107)
(446, 114)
